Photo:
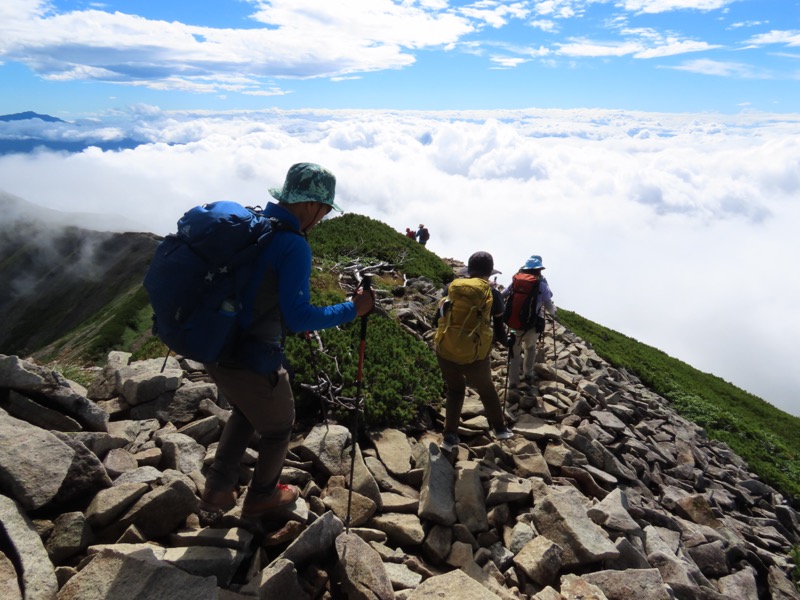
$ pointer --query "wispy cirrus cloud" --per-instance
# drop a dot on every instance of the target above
(776, 36)
(584, 48)
(507, 62)
(672, 47)
(648, 45)
(704, 66)
(742, 24)
(660, 6)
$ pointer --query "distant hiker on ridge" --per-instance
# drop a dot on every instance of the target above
(422, 234)
(410, 233)
(255, 382)
(525, 297)
(469, 319)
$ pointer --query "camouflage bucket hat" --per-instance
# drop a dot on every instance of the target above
(307, 182)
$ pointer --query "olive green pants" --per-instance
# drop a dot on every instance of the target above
(477, 375)
(261, 403)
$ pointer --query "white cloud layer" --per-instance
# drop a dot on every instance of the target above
(678, 230)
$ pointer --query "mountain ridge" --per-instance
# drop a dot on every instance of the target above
(603, 489)
(29, 114)
(77, 321)
(20, 134)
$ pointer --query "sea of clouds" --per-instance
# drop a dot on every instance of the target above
(675, 229)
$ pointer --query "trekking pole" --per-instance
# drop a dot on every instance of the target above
(366, 286)
(555, 352)
(166, 358)
(512, 341)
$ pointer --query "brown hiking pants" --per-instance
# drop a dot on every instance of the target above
(477, 375)
(261, 403)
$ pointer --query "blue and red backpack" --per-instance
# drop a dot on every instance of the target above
(520, 310)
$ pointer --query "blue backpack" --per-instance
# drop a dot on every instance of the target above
(203, 280)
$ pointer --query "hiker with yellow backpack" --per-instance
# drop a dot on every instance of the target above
(469, 319)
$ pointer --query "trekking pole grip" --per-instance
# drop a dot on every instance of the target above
(366, 286)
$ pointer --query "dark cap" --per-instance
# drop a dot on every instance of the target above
(481, 264)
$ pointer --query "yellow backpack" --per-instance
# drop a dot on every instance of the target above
(464, 333)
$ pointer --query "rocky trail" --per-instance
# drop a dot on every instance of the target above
(603, 493)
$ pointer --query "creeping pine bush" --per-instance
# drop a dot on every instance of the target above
(399, 375)
(356, 237)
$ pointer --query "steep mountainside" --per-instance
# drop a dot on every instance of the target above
(55, 278)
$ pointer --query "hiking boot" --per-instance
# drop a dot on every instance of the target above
(215, 500)
(503, 433)
(450, 441)
(256, 505)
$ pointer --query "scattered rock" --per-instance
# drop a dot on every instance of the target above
(603, 493)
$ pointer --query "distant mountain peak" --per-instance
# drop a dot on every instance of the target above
(30, 115)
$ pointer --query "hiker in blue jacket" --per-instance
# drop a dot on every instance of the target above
(525, 340)
(254, 382)
(422, 234)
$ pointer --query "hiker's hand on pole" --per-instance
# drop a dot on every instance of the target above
(364, 301)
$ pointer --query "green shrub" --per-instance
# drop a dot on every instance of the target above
(356, 237)
(73, 372)
(399, 376)
(151, 347)
(325, 287)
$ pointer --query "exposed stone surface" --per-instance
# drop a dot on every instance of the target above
(362, 572)
(37, 579)
(35, 382)
(33, 462)
(604, 493)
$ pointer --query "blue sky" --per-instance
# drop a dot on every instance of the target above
(651, 55)
(649, 150)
